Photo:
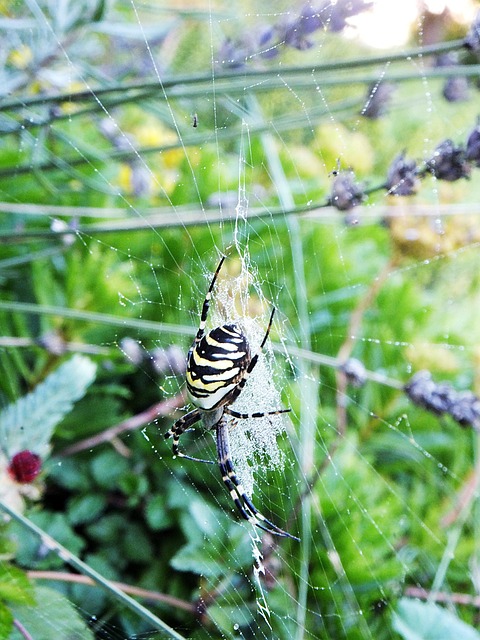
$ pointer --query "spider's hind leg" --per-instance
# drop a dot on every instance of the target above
(243, 503)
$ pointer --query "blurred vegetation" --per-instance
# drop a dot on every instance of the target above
(108, 227)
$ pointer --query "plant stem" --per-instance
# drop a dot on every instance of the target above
(246, 75)
(440, 596)
(84, 569)
(163, 408)
(146, 594)
(21, 630)
(90, 316)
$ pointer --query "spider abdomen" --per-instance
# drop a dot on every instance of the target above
(215, 366)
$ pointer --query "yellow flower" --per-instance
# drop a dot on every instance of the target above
(21, 58)
(125, 177)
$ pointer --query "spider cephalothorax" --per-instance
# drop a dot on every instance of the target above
(218, 365)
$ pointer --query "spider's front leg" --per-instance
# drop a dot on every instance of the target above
(179, 427)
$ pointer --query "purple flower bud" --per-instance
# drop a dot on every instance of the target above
(232, 55)
(346, 193)
(312, 18)
(267, 44)
(472, 152)
(355, 372)
(141, 180)
(449, 59)
(378, 99)
(342, 10)
(53, 342)
(448, 162)
(456, 89)
(472, 39)
(294, 36)
(132, 350)
(466, 410)
(402, 177)
(441, 398)
(420, 388)
(168, 361)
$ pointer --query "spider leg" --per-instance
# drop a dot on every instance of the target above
(257, 414)
(206, 304)
(243, 503)
(178, 428)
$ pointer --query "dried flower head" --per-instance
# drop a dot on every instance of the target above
(472, 39)
(379, 96)
(402, 178)
(168, 361)
(340, 11)
(456, 89)
(25, 466)
(355, 372)
(448, 162)
(346, 193)
(53, 342)
(441, 398)
(132, 350)
(233, 55)
(472, 152)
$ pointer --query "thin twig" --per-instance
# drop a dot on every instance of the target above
(441, 596)
(145, 594)
(465, 496)
(21, 629)
(73, 347)
(160, 409)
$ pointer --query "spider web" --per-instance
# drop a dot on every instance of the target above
(382, 493)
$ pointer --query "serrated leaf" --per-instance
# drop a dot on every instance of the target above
(53, 617)
(6, 621)
(14, 585)
(415, 620)
(30, 421)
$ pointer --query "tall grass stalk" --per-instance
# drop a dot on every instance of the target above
(308, 381)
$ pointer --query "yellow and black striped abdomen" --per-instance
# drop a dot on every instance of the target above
(215, 366)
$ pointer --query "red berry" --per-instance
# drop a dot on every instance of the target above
(25, 466)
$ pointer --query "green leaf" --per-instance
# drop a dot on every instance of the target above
(30, 421)
(82, 509)
(415, 620)
(53, 617)
(107, 469)
(194, 559)
(157, 516)
(14, 585)
(6, 621)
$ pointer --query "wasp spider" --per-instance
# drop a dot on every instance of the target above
(218, 365)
